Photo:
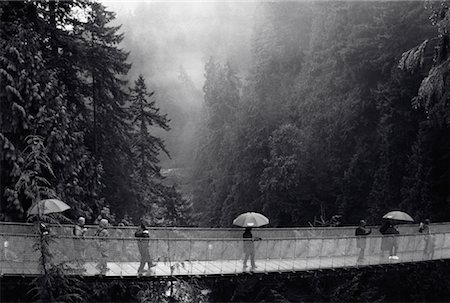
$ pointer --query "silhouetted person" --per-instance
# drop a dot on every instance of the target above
(360, 232)
(102, 233)
(425, 227)
(335, 221)
(389, 243)
(249, 247)
(143, 240)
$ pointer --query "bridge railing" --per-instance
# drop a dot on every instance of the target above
(225, 255)
(195, 232)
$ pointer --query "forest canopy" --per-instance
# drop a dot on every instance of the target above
(312, 109)
(64, 88)
(335, 116)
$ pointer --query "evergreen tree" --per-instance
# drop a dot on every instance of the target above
(305, 138)
(35, 79)
(397, 129)
(212, 175)
(26, 86)
(104, 66)
(145, 146)
(427, 182)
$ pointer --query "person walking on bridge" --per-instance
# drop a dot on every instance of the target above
(249, 247)
(79, 231)
(102, 233)
(143, 240)
(360, 232)
(389, 243)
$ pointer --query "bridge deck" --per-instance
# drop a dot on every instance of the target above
(219, 267)
(219, 256)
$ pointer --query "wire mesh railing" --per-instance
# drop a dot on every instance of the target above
(212, 256)
(196, 232)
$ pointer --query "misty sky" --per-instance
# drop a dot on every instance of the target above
(164, 36)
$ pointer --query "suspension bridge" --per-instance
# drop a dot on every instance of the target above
(218, 251)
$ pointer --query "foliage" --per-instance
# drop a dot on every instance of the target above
(212, 173)
(33, 181)
(323, 124)
(52, 285)
(158, 203)
(178, 290)
(175, 291)
(427, 178)
(63, 78)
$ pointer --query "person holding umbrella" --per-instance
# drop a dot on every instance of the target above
(46, 207)
(388, 228)
(249, 220)
(389, 243)
(249, 247)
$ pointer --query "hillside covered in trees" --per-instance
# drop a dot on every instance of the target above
(344, 110)
(299, 110)
(64, 86)
(328, 108)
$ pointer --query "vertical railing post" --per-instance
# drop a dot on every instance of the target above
(441, 244)
(308, 241)
(266, 259)
(206, 259)
(321, 253)
(280, 244)
(294, 255)
(190, 256)
(221, 255)
(121, 245)
(168, 253)
(238, 252)
(346, 254)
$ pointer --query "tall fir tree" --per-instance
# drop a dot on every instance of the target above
(104, 69)
(146, 147)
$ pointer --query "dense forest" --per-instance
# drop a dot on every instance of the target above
(344, 111)
(339, 109)
(65, 89)
(330, 107)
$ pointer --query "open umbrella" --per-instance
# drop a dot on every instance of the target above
(251, 219)
(398, 216)
(48, 206)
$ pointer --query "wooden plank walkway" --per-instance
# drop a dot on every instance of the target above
(223, 267)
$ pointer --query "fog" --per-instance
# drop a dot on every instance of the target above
(168, 38)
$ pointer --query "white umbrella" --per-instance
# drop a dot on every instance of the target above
(251, 219)
(48, 206)
(398, 216)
